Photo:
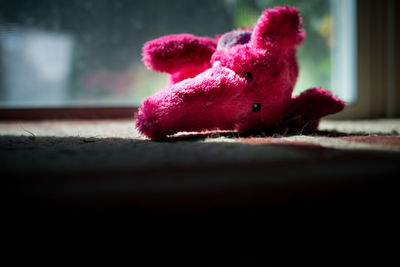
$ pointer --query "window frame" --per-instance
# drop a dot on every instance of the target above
(378, 89)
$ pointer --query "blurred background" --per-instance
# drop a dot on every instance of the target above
(56, 53)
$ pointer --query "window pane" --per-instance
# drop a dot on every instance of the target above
(88, 52)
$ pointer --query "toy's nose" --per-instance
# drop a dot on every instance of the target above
(195, 104)
(148, 118)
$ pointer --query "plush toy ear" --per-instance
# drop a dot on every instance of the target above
(278, 28)
(177, 52)
(308, 107)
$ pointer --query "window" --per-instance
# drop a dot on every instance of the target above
(87, 53)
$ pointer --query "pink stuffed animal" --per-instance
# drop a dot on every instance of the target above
(243, 81)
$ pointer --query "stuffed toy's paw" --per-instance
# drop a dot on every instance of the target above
(243, 81)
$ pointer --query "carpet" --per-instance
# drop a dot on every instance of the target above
(108, 166)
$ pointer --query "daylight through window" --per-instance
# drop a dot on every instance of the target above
(88, 52)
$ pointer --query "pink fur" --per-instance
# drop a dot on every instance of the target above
(305, 110)
(181, 55)
(242, 87)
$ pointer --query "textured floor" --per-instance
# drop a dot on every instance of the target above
(109, 162)
(96, 145)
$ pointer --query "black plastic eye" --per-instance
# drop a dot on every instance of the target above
(248, 76)
(256, 107)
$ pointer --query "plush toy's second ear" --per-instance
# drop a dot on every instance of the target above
(176, 52)
(180, 55)
(305, 110)
(279, 28)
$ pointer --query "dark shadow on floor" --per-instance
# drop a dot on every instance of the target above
(244, 196)
(74, 175)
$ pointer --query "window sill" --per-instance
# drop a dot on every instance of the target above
(26, 114)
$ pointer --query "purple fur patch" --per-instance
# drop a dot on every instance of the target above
(233, 38)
